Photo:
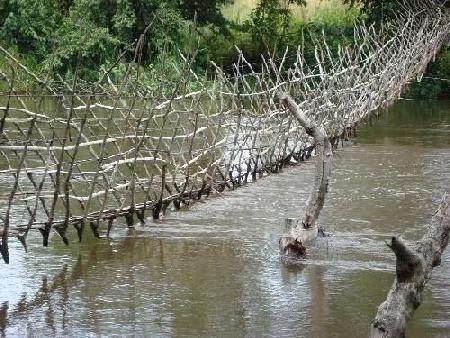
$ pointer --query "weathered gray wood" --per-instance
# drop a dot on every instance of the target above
(307, 230)
(414, 264)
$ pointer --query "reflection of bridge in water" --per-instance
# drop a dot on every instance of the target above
(77, 159)
(79, 295)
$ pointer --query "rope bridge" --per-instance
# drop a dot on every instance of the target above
(86, 158)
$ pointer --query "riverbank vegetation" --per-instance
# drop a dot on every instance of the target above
(436, 82)
(50, 37)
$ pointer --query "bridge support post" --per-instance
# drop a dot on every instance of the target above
(306, 229)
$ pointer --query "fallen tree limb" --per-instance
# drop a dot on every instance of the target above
(306, 230)
(414, 265)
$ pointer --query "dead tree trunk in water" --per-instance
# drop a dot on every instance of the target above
(293, 243)
(414, 266)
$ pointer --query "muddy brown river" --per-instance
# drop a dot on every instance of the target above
(214, 271)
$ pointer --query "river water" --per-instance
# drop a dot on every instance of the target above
(213, 270)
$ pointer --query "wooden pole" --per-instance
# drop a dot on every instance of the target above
(306, 230)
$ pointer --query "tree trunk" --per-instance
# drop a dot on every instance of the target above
(413, 269)
(306, 230)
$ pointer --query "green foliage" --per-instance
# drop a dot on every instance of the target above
(270, 21)
(380, 11)
(336, 24)
(205, 11)
(83, 34)
(55, 33)
(29, 25)
(436, 81)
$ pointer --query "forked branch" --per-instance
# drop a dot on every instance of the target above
(414, 265)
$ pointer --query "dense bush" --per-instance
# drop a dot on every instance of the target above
(53, 33)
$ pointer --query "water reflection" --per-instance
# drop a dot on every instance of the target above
(213, 270)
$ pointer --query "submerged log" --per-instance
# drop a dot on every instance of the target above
(414, 265)
(306, 230)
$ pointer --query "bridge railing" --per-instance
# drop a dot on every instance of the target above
(83, 158)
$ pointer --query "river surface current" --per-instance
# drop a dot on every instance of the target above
(214, 271)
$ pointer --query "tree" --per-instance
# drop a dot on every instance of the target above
(270, 20)
(29, 25)
(54, 32)
(206, 11)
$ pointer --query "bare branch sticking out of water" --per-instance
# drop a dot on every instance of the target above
(307, 230)
(414, 266)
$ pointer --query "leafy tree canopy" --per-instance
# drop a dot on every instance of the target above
(270, 20)
(98, 29)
